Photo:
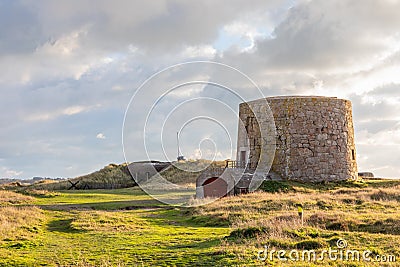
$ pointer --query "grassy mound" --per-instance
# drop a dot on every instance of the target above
(10, 198)
(112, 176)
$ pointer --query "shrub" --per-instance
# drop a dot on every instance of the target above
(250, 232)
(40, 193)
(310, 244)
(383, 195)
(338, 225)
(275, 186)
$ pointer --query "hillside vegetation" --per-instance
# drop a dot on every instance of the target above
(125, 227)
(111, 176)
(115, 176)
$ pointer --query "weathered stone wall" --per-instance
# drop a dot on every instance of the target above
(314, 137)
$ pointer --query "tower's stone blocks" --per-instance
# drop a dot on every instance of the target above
(314, 137)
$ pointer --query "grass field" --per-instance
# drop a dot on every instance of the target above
(125, 227)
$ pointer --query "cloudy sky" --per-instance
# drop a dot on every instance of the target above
(69, 70)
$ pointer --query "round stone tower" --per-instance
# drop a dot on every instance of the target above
(314, 137)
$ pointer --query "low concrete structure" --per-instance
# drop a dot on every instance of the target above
(142, 171)
(366, 175)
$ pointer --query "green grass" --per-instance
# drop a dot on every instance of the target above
(126, 227)
(84, 197)
(123, 227)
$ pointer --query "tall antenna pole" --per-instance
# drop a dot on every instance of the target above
(177, 141)
(180, 157)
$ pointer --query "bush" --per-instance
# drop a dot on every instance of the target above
(250, 232)
(384, 196)
(303, 233)
(341, 226)
(333, 241)
(40, 193)
(275, 186)
(310, 244)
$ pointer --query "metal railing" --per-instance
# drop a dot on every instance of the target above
(233, 164)
(217, 171)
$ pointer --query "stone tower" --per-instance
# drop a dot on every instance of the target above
(314, 137)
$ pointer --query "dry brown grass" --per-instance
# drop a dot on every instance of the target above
(10, 198)
(351, 209)
(368, 217)
(40, 193)
(19, 222)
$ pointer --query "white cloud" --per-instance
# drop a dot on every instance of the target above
(8, 173)
(65, 45)
(189, 90)
(100, 136)
(202, 51)
(66, 58)
(74, 110)
(117, 88)
(246, 34)
(385, 138)
(51, 115)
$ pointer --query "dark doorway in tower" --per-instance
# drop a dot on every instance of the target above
(215, 187)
